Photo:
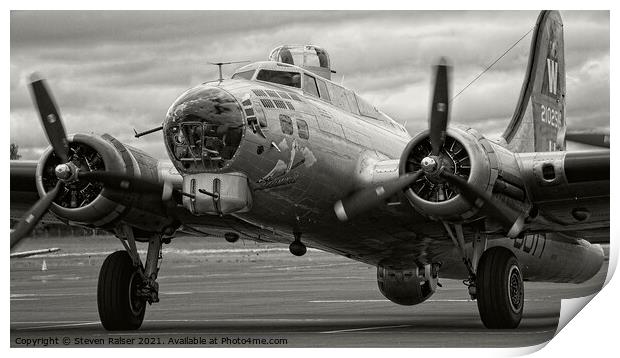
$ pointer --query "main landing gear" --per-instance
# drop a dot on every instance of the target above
(495, 280)
(499, 287)
(126, 285)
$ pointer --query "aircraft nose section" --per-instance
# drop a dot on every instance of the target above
(203, 129)
(211, 105)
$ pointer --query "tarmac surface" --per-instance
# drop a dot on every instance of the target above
(216, 294)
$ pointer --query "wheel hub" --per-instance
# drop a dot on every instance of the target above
(515, 289)
(136, 302)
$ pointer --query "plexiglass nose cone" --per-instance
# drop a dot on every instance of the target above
(203, 129)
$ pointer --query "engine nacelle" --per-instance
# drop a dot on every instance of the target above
(407, 287)
(93, 205)
(468, 154)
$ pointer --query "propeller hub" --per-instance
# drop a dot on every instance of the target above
(65, 172)
(429, 164)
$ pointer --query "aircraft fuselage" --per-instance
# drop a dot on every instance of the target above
(300, 160)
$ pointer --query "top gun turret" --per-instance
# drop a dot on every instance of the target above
(308, 57)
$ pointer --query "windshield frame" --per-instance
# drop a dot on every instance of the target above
(241, 75)
(273, 71)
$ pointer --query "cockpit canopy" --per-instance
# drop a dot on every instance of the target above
(309, 57)
(314, 86)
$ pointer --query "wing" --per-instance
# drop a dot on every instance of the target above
(145, 211)
(23, 188)
(28, 181)
(597, 137)
(569, 191)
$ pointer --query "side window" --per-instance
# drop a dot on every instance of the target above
(323, 89)
(310, 85)
(338, 97)
(302, 129)
(352, 102)
(366, 109)
(286, 124)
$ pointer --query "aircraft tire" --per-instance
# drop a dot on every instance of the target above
(499, 289)
(119, 308)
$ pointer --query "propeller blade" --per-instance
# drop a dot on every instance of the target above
(438, 122)
(368, 198)
(52, 123)
(122, 182)
(512, 221)
(32, 216)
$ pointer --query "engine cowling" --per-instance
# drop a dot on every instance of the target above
(92, 204)
(466, 153)
(407, 287)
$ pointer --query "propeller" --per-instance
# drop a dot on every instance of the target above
(368, 198)
(438, 121)
(32, 216)
(67, 172)
(510, 220)
(52, 123)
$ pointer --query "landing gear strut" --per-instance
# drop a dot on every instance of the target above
(495, 280)
(297, 247)
(459, 241)
(126, 285)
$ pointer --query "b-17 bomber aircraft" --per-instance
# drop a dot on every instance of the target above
(280, 153)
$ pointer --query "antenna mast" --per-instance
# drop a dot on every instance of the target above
(219, 66)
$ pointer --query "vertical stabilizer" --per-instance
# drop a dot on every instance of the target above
(538, 123)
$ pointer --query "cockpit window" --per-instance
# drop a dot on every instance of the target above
(245, 75)
(292, 79)
(323, 89)
(310, 85)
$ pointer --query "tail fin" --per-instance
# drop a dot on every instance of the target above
(538, 123)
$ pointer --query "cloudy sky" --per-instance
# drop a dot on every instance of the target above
(118, 70)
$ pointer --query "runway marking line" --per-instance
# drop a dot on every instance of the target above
(45, 322)
(347, 301)
(480, 331)
(239, 320)
(386, 300)
(24, 295)
(366, 329)
(178, 293)
(61, 325)
(286, 268)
